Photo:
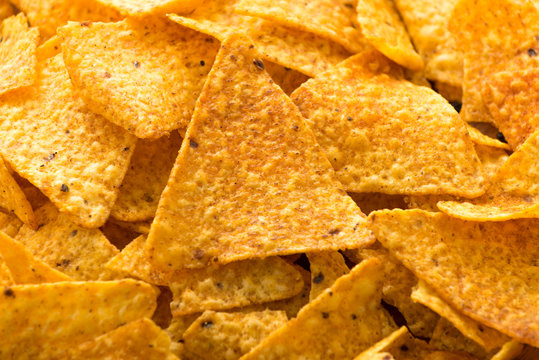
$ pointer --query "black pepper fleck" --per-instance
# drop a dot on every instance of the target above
(126, 148)
(259, 64)
(334, 231)
(354, 316)
(85, 23)
(532, 53)
(325, 315)
(202, 63)
(404, 348)
(206, 324)
(64, 188)
(74, 233)
(137, 64)
(9, 293)
(193, 143)
(349, 118)
(318, 278)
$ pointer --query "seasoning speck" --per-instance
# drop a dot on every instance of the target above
(193, 143)
(325, 315)
(206, 324)
(202, 63)
(64, 188)
(137, 64)
(9, 293)
(259, 64)
(318, 278)
(532, 53)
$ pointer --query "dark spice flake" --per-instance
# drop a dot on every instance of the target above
(532, 52)
(207, 324)
(259, 64)
(318, 278)
(193, 143)
(9, 293)
(64, 188)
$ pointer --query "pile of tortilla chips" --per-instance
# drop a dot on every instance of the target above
(256, 179)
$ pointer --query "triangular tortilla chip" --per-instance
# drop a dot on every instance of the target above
(76, 158)
(17, 53)
(149, 73)
(487, 271)
(481, 334)
(217, 335)
(426, 21)
(296, 49)
(140, 339)
(491, 158)
(335, 20)
(76, 251)
(344, 320)
(250, 180)
(384, 134)
(13, 199)
(514, 192)
(175, 331)
(24, 267)
(39, 321)
(509, 351)
(47, 15)
(382, 26)
(153, 7)
(500, 46)
(326, 267)
(146, 178)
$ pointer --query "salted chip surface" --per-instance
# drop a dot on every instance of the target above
(34, 317)
(326, 267)
(146, 178)
(250, 180)
(426, 22)
(149, 73)
(514, 192)
(335, 20)
(18, 45)
(78, 252)
(141, 339)
(499, 42)
(228, 336)
(24, 267)
(76, 158)
(13, 199)
(305, 52)
(487, 271)
(384, 134)
(382, 26)
(344, 320)
(151, 7)
(481, 334)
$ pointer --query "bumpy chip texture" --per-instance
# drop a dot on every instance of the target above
(384, 134)
(326, 267)
(487, 271)
(149, 73)
(250, 180)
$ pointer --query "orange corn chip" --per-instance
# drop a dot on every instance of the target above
(326, 267)
(151, 7)
(13, 199)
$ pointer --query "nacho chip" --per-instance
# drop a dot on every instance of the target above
(283, 197)
(76, 158)
(331, 19)
(481, 139)
(509, 351)
(151, 7)
(426, 21)
(288, 79)
(427, 202)
(228, 336)
(384, 134)
(76, 251)
(50, 48)
(307, 53)
(24, 267)
(369, 202)
(382, 26)
(499, 42)
(449, 338)
(481, 334)
(175, 331)
(140, 339)
(487, 271)
(340, 323)
(149, 74)
(18, 61)
(10, 224)
(491, 158)
(13, 199)
(146, 178)
(514, 192)
(6, 10)
(47, 15)
(34, 317)
(326, 268)
(450, 92)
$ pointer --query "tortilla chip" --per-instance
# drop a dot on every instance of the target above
(449, 338)
(146, 178)
(13, 199)
(175, 331)
(118, 236)
(487, 271)
(75, 158)
(140, 339)
(78, 252)
(426, 21)
(302, 51)
(6, 10)
(514, 192)
(49, 48)
(34, 324)
(509, 351)
(384, 134)
(149, 74)
(10, 224)
(481, 139)
(340, 323)
(451, 93)
(228, 336)
(382, 26)
(483, 335)
(369, 202)
(491, 158)
(152, 7)
(47, 15)
(498, 39)
(18, 61)
(284, 197)
(330, 19)
(6, 278)
(24, 267)
(398, 285)
(288, 79)
(326, 268)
